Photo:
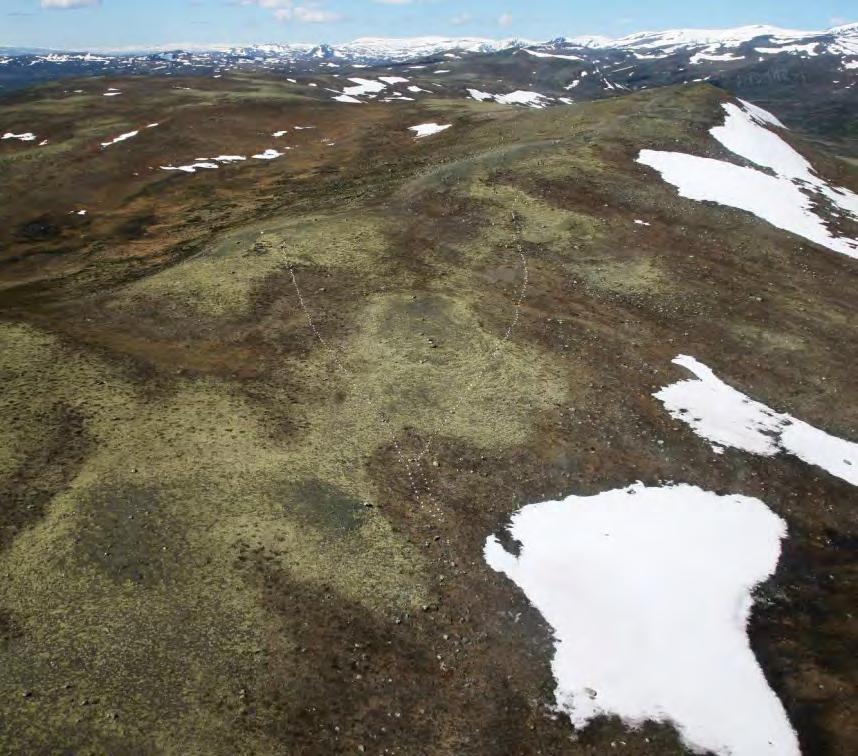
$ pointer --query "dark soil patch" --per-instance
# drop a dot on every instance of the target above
(46, 472)
(39, 229)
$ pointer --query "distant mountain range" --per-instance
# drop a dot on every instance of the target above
(837, 40)
(808, 78)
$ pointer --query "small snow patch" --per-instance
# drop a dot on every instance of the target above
(698, 58)
(192, 168)
(25, 137)
(269, 154)
(120, 138)
(480, 96)
(427, 129)
(363, 87)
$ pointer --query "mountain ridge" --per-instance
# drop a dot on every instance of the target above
(429, 44)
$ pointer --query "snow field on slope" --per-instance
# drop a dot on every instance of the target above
(728, 418)
(648, 591)
(785, 200)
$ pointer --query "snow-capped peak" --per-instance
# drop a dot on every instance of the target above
(675, 38)
(414, 47)
(846, 29)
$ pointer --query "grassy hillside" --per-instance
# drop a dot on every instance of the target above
(260, 419)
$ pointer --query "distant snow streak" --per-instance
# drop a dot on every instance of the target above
(27, 136)
(120, 138)
(539, 54)
(701, 56)
(519, 97)
(191, 168)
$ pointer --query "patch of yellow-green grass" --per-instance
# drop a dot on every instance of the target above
(471, 385)
(570, 158)
(769, 337)
(263, 91)
(20, 431)
(539, 223)
(55, 108)
(130, 590)
(90, 129)
(367, 564)
(221, 279)
(638, 275)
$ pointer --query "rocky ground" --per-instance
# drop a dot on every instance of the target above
(261, 419)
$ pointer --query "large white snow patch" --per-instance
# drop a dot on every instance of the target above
(774, 199)
(649, 593)
(744, 133)
(786, 199)
(727, 417)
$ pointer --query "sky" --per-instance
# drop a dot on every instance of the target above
(118, 24)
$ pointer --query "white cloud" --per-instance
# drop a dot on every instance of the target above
(461, 18)
(505, 19)
(287, 10)
(307, 14)
(68, 4)
(269, 3)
